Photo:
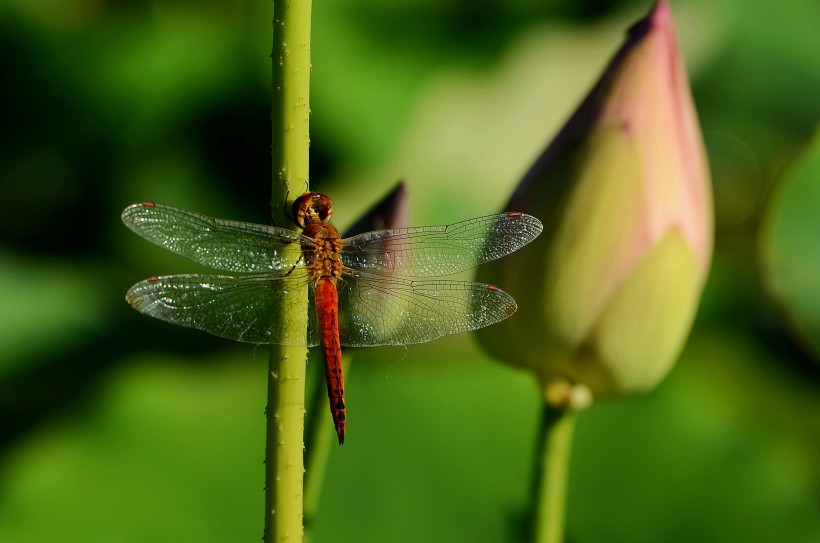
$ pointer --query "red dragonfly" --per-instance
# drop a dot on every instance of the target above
(364, 291)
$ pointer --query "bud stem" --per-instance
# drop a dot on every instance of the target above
(551, 473)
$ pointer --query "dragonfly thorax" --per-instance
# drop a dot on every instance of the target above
(324, 260)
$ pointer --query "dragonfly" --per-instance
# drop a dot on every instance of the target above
(366, 290)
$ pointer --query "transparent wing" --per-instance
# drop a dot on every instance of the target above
(238, 308)
(376, 309)
(430, 251)
(223, 245)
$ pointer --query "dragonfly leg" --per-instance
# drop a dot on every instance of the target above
(295, 264)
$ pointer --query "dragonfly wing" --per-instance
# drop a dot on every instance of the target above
(430, 251)
(381, 310)
(223, 245)
(238, 308)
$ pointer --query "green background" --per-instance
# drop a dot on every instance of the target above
(118, 428)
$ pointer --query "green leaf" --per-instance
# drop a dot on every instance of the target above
(789, 247)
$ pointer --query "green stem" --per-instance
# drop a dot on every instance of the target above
(552, 471)
(290, 113)
(284, 461)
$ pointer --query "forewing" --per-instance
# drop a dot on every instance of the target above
(381, 310)
(237, 308)
(223, 245)
(430, 251)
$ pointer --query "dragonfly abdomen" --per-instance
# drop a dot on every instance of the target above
(327, 305)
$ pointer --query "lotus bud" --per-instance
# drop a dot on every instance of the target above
(608, 293)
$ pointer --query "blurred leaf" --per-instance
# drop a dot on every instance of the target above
(439, 448)
(723, 451)
(168, 453)
(46, 306)
(471, 132)
(789, 246)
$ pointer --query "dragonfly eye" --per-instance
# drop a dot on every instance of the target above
(312, 208)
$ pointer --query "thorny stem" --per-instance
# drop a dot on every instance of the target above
(284, 461)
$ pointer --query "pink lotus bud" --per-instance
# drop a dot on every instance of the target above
(608, 293)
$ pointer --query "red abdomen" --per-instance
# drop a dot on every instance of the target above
(327, 306)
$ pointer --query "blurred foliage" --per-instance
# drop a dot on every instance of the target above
(119, 428)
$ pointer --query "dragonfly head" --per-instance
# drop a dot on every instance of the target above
(312, 208)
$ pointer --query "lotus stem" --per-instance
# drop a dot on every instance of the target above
(551, 474)
(284, 460)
